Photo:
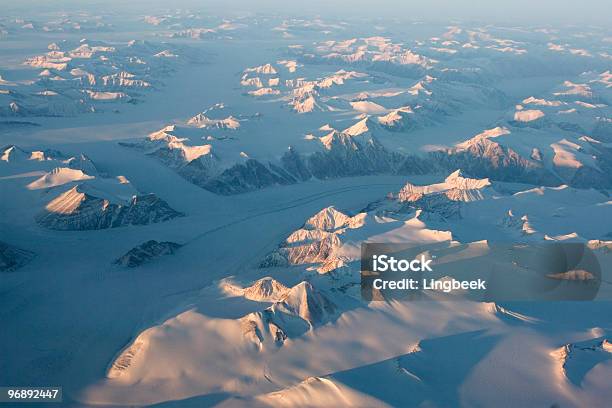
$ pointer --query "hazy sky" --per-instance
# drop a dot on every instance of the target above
(515, 11)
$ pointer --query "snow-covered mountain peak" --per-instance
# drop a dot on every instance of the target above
(267, 69)
(305, 105)
(335, 138)
(202, 121)
(14, 153)
(164, 134)
(420, 88)
(487, 134)
(266, 289)
(328, 219)
(359, 128)
(455, 187)
(305, 301)
(528, 115)
(100, 203)
(299, 310)
(457, 180)
(57, 177)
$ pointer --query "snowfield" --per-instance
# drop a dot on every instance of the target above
(184, 195)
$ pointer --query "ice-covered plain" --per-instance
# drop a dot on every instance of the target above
(185, 189)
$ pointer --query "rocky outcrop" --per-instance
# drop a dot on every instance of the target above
(146, 252)
(77, 209)
(296, 165)
(12, 258)
(438, 206)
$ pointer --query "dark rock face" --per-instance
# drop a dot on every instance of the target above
(198, 171)
(438, 206)
(485, 158)
(146, 252)
(588, 177)
(252, 175)
(295, 165)
(348, 157)
(12, 258)
(84, 163)
(145, 209)
(415, 165)
(87, 212)
(345, 156)
(603, 131)
(599, 179)
(349, 154)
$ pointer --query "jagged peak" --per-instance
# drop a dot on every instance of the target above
(419, 88)
(327, 219)
(82, 162)
(398, 113)
(192, 153)
(410, 192)
(203, 121)
(164, 139)
(262, 69)
(457, 180)
(305, 104)
(164, 134)
(103, 203)
(455, 187)
(335, 138)
(359, 128)
(266, 289)
(13, 152)
(484, 136)
(301, 308)
(305, 301)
